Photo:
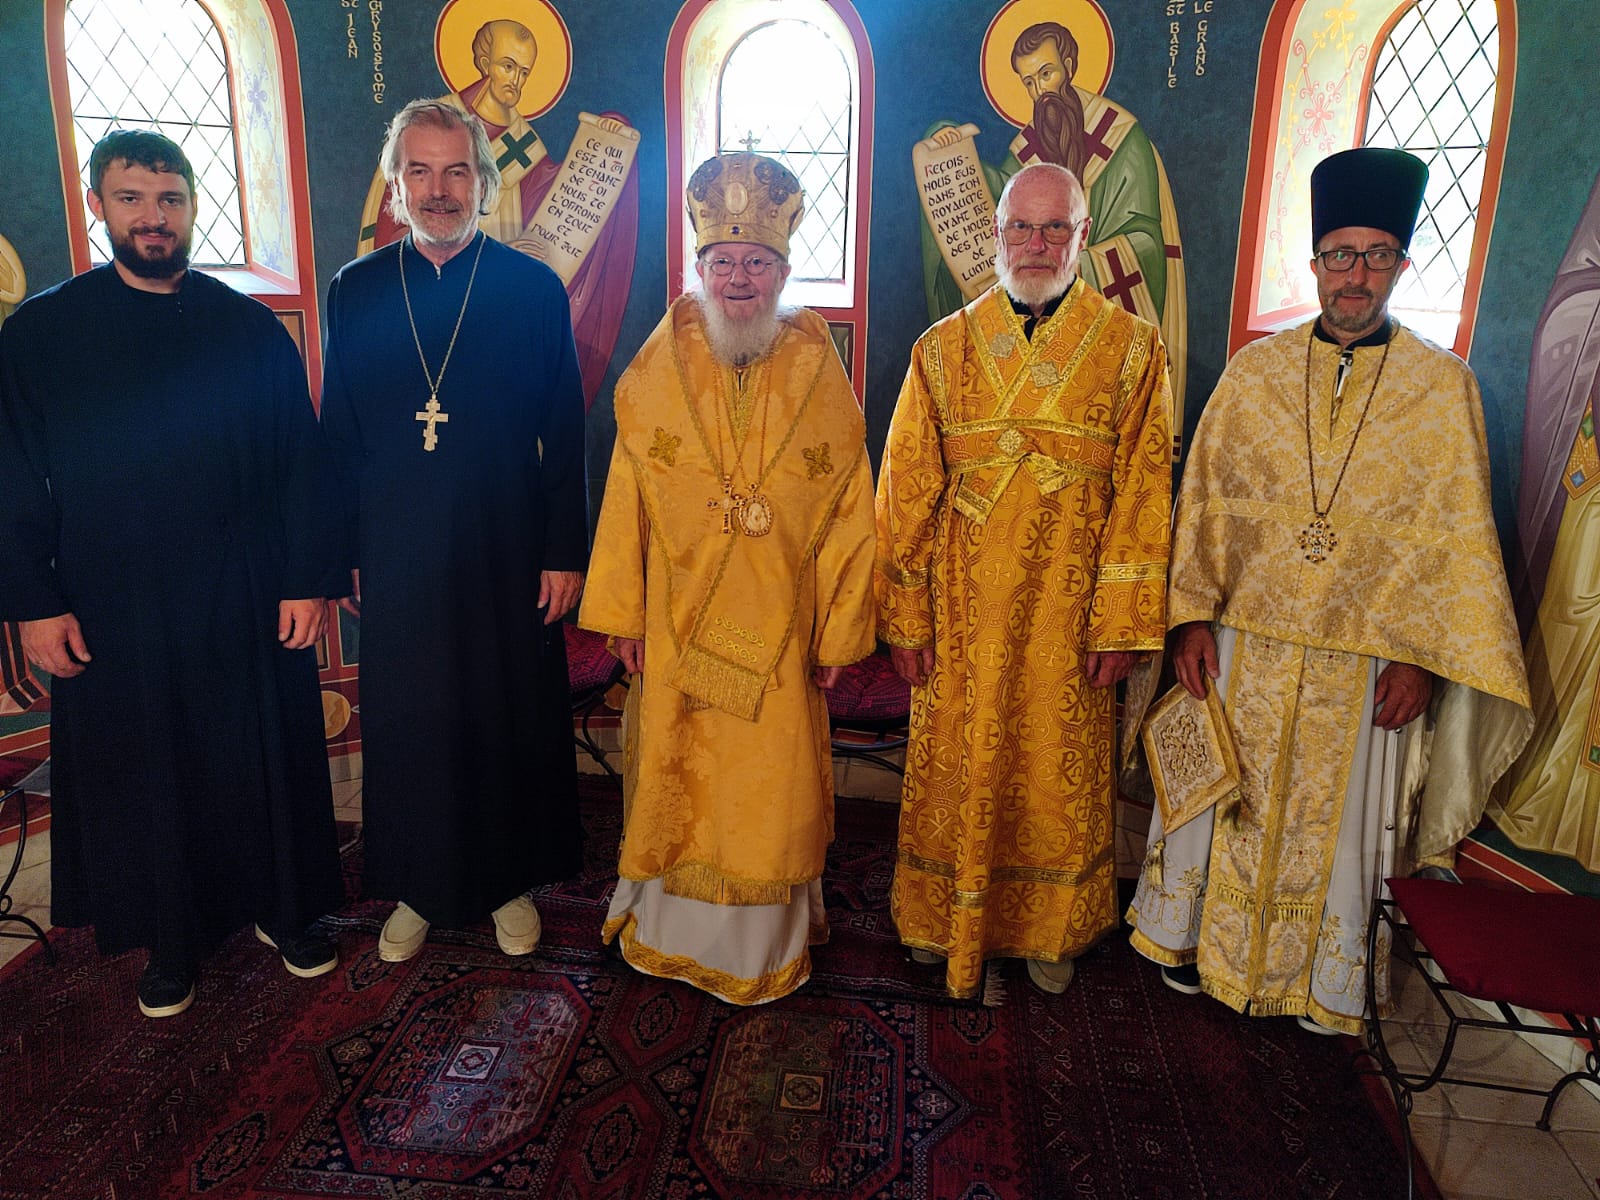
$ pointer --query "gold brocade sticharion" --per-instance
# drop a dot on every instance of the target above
(728, 774)
(1023, 516)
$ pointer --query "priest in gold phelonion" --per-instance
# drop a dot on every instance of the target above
(732, 569)
(1336, 577)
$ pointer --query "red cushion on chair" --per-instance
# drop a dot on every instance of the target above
(589, 663)
(869, 690)
(1538, 950)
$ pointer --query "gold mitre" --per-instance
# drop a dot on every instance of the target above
(744, 198)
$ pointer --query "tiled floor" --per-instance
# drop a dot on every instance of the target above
(1483, 1145)
(1479, 1145)
(30, 892)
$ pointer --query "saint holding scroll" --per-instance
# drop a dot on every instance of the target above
(1042, 78)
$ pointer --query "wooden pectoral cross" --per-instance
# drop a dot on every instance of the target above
(432, 416)
(730, 503)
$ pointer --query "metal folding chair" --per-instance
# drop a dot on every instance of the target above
(591, 672)
(1535, 951)
(868, 711)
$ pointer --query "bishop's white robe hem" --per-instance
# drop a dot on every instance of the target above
(740, 953)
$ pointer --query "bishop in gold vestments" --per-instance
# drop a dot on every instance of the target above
(1023, 511)
(733, 566)
(1336, 554)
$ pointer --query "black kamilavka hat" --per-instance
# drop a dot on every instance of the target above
(1369, 186)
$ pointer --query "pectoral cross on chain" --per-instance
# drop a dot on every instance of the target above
(432, 416)
(1318, 539)
(730, 503)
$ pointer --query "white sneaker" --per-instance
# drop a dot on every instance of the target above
(1050, 977)
(403, 934)
(1311, 1026)
(517, 927)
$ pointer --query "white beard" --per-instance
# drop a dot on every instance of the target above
(739, 341)
(1036, 290)
(433, 228)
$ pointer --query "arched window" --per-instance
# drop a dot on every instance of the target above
(791, 79)
(159, 64)
(1434, 77)
(222, 79)
(1433, 93)
(769, 68)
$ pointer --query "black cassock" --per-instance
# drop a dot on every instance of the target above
(469, 791)
(162, 477)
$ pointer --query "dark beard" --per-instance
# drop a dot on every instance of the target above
(171, 264)
(1058, 130)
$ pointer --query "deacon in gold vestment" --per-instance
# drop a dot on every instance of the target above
(1335, 575)
(1022, 549)
(733, 568)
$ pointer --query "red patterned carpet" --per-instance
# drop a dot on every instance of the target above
(464, 1073)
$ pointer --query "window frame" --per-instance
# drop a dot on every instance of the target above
(292, 297)
(822, 289)
(1272, 117)
(844, 307)
(233, 138)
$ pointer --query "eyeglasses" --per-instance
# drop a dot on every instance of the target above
(1055, 232)
(1379, 258)
(753, 264)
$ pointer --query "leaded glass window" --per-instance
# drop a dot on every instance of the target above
(786, 92)
(161, 65)
(1433, 94)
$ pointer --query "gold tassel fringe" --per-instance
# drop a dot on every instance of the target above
(696, 881)
(1155, 865)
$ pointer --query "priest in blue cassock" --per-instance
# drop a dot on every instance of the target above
(169, 537)
(454, 404)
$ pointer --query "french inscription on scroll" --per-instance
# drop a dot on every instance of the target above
(579, 203)
(956, 201)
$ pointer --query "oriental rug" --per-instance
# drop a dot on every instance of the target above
(463, 1073)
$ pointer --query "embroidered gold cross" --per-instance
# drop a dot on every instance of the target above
(431, 415)
(1011, 442)
(665, 447)
(817, 461)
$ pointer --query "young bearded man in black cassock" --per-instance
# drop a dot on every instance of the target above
(169, 532)
(453, 402)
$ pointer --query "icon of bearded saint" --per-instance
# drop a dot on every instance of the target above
(1058, 129)
(1133, 254)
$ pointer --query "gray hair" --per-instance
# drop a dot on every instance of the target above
(440, 115)
(1059, 175)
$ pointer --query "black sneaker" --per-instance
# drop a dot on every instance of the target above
(165, 991)
(1185, 979)
(307, 954)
